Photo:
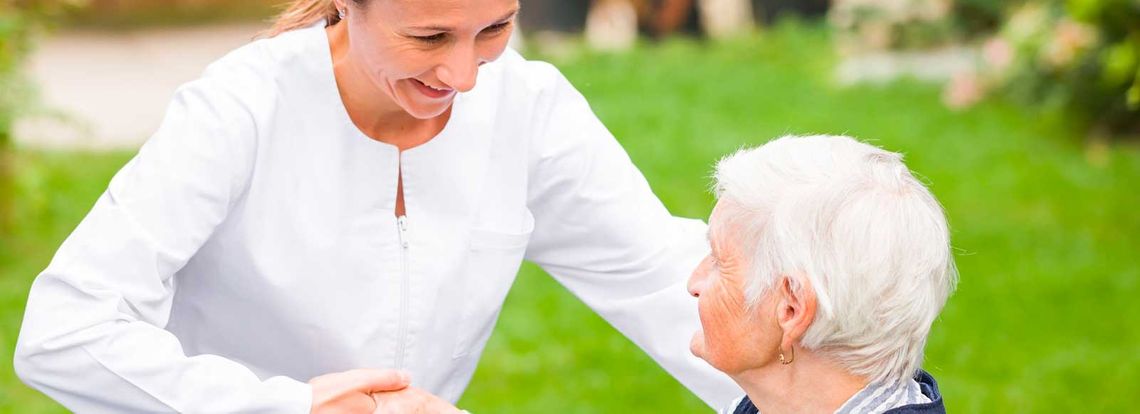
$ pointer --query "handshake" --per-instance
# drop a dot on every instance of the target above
(374, 391)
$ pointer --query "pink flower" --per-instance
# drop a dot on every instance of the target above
(997, 54)
(1068, 41)
(963, 90)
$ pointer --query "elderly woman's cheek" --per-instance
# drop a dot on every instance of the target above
(699, 343)
(707, 342)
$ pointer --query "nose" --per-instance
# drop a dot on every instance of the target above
(461, 68)
(696, 279)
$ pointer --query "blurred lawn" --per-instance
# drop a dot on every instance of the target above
(1043, 320)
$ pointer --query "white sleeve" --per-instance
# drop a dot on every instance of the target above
(92, 336)
(602, 233)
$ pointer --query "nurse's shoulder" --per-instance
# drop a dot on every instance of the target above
(252, 73)
(237, 95)
(220, 116)
(528, 78)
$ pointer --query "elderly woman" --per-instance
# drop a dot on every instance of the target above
(829, 263)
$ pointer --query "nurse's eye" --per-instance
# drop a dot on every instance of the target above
(496, 29)
(433, 39)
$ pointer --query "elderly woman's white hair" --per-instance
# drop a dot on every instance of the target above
(869, 237)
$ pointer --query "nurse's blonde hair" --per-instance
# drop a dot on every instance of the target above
(302, 13)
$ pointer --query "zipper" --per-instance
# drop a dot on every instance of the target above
(401, 338)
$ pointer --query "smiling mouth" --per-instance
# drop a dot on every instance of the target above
(432, 91)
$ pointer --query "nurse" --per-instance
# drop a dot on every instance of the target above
(340, 207)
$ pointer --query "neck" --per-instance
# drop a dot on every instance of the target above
(371, 109)
(808, 385)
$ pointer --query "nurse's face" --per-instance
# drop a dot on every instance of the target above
(422, 52)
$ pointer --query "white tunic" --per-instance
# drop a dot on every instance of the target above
(251, 244)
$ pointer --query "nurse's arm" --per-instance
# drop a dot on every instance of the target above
(602, 233)
(92, 336)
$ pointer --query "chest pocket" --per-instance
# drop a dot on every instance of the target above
(493, 260)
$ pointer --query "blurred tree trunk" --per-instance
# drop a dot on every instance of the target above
(725, 18)
(615, 24)
(554, 15)
(664, 17)
(611, 25)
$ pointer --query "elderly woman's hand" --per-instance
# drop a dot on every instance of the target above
(412, 400)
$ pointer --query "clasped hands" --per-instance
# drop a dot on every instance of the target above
(373, 391)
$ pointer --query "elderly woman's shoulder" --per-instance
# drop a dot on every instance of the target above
(926, 385)
(929, 389)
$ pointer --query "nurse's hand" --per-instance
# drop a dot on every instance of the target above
(412, 400)
(350, 392)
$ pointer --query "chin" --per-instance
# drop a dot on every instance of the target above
(420, 107)
(697, 345)
(716, 358)
(426, 112)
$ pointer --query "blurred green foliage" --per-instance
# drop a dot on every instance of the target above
(878, 25)
(979, 16)
(19, 22)
(1082, 56)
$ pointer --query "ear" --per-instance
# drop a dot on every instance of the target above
(795, 309)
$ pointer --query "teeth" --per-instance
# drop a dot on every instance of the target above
(432, 87)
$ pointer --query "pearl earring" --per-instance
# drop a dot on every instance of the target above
(341, 13)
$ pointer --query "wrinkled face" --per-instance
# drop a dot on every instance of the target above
(733, 338)
(422, 52)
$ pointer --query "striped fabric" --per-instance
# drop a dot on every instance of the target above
(876, 397)
(879, 397)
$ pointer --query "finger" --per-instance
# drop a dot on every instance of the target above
(380, 380)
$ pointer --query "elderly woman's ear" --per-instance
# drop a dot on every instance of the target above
(795, 311)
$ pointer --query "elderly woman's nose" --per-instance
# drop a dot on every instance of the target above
(460, 69)
(697, 278)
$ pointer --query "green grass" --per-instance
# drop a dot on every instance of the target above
(1044, 317)
(54, 191)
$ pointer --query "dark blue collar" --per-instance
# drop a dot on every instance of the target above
(930, 389)
(925, 382)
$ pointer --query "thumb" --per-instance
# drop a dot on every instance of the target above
(380, 380)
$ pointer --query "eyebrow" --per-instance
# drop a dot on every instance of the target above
(500, 20)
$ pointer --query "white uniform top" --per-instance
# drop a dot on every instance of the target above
(252, 243)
